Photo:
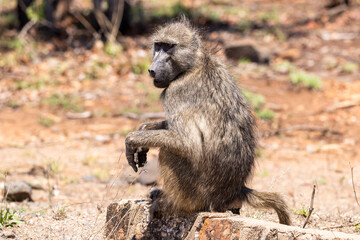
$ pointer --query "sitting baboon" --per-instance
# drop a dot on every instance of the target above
(207, 143)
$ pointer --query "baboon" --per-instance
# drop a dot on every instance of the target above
(207, 142)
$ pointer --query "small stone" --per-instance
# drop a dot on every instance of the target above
(81, 115)
(247, 50)
(103, 138)
(37, 170)
(17, 191)
(90, 178)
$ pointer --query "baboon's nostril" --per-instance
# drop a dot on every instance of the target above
(152, 73)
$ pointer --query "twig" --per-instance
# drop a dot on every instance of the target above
(330, 14)
(85, 23)
(348, 58)
(341, 226)
(104, 23)
(341, 105)
(26, 28)
(311, 208)
(353, 184)
(116, 21)
(302, 128)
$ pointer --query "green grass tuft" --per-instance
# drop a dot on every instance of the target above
(67, 102)
(310, 81)
(113, 48)
(265, 114)
(46, 122)
(7, 218)
(301, 212)
(256, 100)
(350, 67)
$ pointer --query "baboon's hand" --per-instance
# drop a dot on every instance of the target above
(140, 158)
(130, 153)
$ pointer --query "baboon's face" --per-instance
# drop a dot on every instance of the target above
(163, 68)
(175, 51)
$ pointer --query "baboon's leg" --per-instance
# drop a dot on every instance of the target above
(158, 205)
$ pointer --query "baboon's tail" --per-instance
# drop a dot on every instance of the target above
(268, 200)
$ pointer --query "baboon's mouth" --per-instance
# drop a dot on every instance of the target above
(160, 84)
(157, 81)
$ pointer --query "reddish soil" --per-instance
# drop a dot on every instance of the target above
(85, 159)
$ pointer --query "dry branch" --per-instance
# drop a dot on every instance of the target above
(329, 14)
(342, 105)
(324, 130)
(341, 226)
(110, 28)
(25, 29)
(311, 208)
(85, 23)
(116, 21)
(353, 184)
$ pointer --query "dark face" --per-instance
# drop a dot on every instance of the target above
(163, 68)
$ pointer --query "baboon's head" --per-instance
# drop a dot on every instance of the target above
(175, 51)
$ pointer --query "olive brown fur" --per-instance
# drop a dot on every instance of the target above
(207, 142)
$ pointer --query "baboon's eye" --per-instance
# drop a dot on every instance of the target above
(169, 45)
(164, 46)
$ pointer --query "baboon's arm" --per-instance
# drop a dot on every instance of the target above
(140, 153)
(166, 139)
(154, 125)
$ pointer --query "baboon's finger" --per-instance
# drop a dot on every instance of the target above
(130, 156)
(141, 156)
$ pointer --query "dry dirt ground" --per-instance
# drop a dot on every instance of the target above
(313, 138)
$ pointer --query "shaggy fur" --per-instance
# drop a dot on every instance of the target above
(207, 143)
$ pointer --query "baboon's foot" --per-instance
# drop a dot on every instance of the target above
(157, 205)
(235, 210)
(155, 194)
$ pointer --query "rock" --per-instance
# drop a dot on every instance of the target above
(149, 173)
(291, 54)
(37, 170)
(247, 50)
(129, 219)
(17, 191)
